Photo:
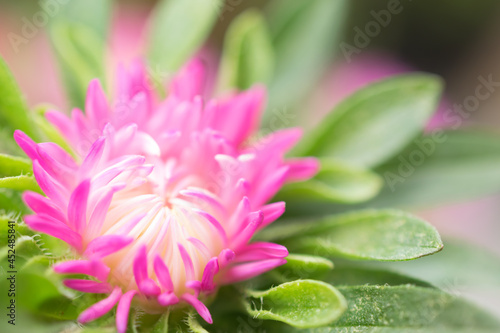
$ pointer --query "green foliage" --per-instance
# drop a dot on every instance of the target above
(179, 28)
(455, 166)
(335, 183)
(20, 183)
(80, 51)
(303, 34)
(383, 235)
(13, 165)
(299, 266)
(14, 113)
(376, 122)
(303, 303)
(248, 56)
(410, 307)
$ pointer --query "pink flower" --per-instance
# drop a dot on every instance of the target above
(162, 198)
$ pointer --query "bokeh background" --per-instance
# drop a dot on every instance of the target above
(456, 39)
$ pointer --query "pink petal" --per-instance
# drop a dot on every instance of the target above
(26, 144)
(272, 212)
(243, 236)
(163, 274)
(213, 222)
(96, 105)
(77, 209)
(122, 311)
(249, 270)
(56, 228)
(188, 263)
(149, 287)
(190, 82)
(93, 157)
(260, 251)
(225, 257)
(100, 308)
(212, 268)
(88, 286)
(42, 205)
(52, 188)
(199, 307)
(302, 168)
(141, 265)
(167, 299)
(93, 268)
(105, 245)
(99, 213)
(63, 124)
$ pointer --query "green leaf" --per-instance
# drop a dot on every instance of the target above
(14, 166)
(303, 303)
(440, 168)
(11, 201)
(406, 308)
(161, 325)
(80, 51)
(349, 275)
(20, 183)
(377, 121)
(194, 325)
(14, 113)
(248, 56)
(94, 14)
(299, 266)
(383, 235)
(304, 34)
(179, 28)
(458, 266)
(335, 182)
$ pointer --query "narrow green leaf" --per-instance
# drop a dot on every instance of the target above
(14, 113)
(14, 166)
(335, 182)
(458, 266)
(299, 266)
(94, 14)
(439, 168)
(304, 34)
(20, 183)
(161, 325)
(179, 28)
(377, 121)
(248, 56)
(303, 303)
(80, 51)
(383, 235)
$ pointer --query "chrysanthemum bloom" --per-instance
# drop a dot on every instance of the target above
(162, 199)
